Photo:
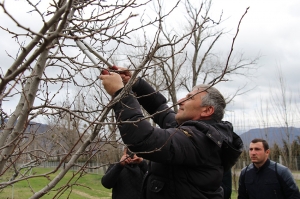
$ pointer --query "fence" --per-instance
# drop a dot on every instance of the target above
(99, 168)
(295, 165)
(93, 167)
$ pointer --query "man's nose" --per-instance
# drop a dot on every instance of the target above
(180, 101)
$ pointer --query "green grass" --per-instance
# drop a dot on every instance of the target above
(87, 186)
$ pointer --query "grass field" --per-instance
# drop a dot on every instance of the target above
(88, 187)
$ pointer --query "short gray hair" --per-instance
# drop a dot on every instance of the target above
(213, 98)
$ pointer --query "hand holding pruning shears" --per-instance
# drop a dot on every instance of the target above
(114, 78)
(123, 72)
(130, 158)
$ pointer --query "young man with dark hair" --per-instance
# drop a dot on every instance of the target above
(264, 178)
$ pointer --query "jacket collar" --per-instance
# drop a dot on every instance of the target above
(265, 165)
(211, 121)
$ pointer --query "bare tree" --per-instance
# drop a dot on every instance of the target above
(197, 62)
(278, 111)
(49, 64)
(283, 114)
(31, 75)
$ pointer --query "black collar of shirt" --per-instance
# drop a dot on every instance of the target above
(265, 165)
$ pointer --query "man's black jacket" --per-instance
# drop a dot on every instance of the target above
(187, 161)
(125, 181)
(271, 181)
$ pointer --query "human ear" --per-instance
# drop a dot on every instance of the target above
(207, 111)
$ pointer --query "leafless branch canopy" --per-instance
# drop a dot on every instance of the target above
(55, 81)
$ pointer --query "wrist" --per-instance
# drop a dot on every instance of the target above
(117, 92)
(122, 163)
(136, 83)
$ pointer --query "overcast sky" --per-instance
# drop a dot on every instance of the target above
(271, 28)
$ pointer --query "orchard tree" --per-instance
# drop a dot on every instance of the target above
(284, 116)
(76, 40)
(194, 59)
(48, 60)
(279, 110)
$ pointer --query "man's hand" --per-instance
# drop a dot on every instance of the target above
(126, 159)
(124, 73)
(111, 81)
(136, 159)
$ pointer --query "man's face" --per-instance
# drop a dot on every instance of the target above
(190, 107)
(257, 153)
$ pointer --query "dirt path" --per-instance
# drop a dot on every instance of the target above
(85, 195)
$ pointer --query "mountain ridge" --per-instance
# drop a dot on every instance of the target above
(271, 135)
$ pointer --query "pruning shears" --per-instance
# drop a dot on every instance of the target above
(87, 49)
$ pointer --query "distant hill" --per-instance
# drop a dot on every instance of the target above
(271, 134)
(34, 127)
(37, 127)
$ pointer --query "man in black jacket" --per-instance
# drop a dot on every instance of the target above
(227, 184)
(190, 150)
(126, 177)
(265, 179)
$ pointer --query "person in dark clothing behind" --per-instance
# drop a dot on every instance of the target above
(189, 151)
(227, 184)
(126, 177)
(265, 179)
